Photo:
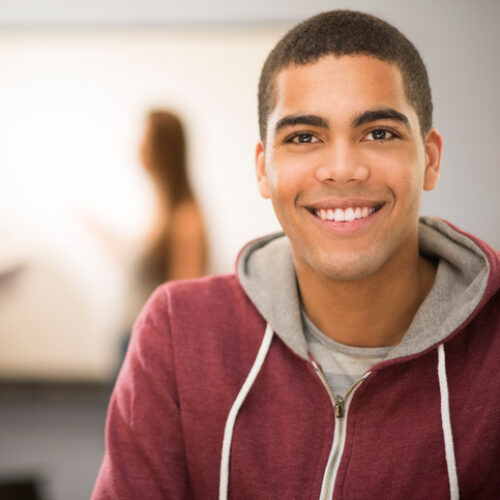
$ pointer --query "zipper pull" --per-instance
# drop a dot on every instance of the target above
(339, 407)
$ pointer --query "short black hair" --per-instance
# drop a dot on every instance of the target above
(347, 32)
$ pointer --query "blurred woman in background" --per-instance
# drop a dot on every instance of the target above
(176, 246)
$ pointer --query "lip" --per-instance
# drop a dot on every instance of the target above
(346, 227)
(343, 203)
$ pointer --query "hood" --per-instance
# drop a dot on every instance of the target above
(468, 275)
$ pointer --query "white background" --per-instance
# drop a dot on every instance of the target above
(75, 81)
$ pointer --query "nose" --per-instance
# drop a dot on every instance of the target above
(341, 163)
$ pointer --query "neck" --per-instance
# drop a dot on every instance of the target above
(373, 312)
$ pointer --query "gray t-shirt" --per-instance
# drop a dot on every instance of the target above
(342, 364)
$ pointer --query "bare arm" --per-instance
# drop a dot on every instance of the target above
(187, 253)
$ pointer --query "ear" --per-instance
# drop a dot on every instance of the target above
(433, 150)
(260, 170)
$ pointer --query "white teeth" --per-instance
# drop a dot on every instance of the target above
(349, 214)
(341, 215)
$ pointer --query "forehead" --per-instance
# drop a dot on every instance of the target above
(347, 84)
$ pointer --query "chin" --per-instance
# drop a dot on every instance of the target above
(348, 269)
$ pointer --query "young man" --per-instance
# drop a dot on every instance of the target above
(355, 357)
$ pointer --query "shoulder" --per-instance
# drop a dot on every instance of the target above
(188, 312)
(207, 290)
(203, 319)
(202, 302)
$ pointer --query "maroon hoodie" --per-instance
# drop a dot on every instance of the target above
(209, 400)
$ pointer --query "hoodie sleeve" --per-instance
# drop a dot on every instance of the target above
(145, 455)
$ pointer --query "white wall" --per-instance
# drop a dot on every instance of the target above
(71, 107)
(72, 115)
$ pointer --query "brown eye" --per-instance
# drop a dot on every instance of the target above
(380, 134)
(304, 139)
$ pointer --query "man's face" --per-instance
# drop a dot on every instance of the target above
(345, 164)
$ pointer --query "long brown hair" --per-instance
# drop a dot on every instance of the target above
(165, 155)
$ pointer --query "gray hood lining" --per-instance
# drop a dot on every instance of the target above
(266, 271)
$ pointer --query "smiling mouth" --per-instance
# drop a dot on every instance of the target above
(344, 214)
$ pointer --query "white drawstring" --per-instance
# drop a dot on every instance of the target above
(446, 423)
(252, 375)
(231, 419)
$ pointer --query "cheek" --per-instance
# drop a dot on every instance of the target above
(285, 182)
(272, 176)
(401, 171)
(285, 179)
(407, 189)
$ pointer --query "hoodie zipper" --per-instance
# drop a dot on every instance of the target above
(340, 409)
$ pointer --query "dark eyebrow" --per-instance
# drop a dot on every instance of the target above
(290, 120)
(380, 114)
